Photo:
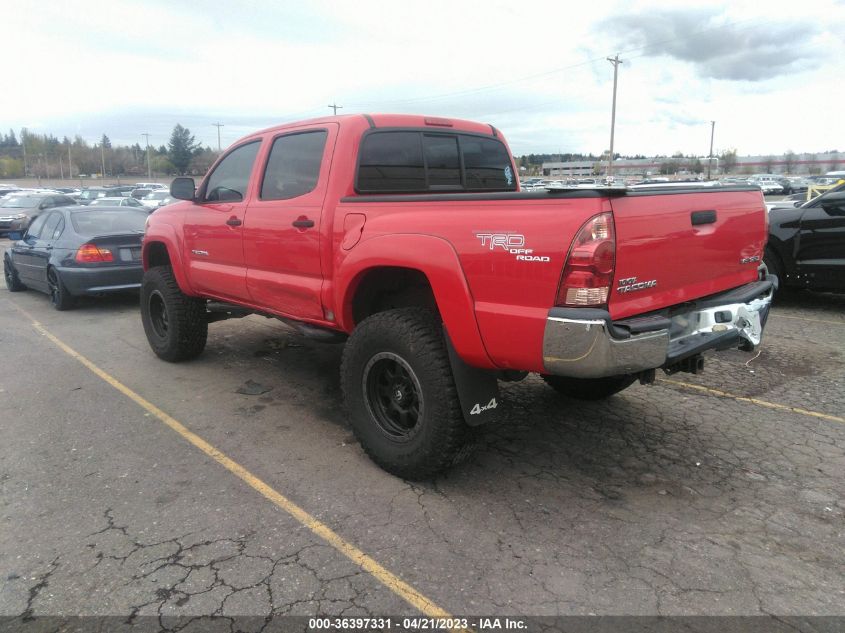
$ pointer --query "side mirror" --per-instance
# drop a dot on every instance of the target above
(15, 235)
(183, 188)
(834, 203)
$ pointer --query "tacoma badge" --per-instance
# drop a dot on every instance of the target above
(630, 284)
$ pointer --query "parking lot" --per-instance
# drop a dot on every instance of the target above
(716, 494)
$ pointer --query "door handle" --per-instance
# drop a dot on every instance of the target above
(234, 221)
(303, 223)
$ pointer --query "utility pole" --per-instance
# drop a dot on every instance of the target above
(23, 145)
(615, 61)
(69, 163)
(218, 126)
(103, 158)
(149, 169)
(710, 157)
(61, 168)
(335, 107)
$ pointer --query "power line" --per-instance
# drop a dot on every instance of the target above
(218, 126)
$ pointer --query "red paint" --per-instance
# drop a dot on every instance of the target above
(493, 304)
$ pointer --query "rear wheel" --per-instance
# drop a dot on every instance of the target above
(175, 324)
(400, 394)
(60, 298)
(589, 388)
(13, 282)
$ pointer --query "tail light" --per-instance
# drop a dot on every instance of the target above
(93, 254)
(588, 273)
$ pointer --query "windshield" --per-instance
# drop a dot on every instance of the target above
(105, 221)
(89, 194)
(21, 202)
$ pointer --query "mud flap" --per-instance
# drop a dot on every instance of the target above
(478, 389)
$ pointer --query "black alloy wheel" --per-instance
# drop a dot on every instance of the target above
(394, 395)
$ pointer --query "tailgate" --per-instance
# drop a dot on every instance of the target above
(674, 246)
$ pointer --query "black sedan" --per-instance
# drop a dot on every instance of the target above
(806, 246)
(76, 251)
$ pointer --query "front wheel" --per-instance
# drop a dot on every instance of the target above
(175, 324)
(589, 388)
(400, 394)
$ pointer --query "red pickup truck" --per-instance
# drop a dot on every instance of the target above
(409, 236)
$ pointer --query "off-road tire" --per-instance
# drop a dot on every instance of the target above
(176, 325)
(60, 298)
(439, 437)
(10, 273)
(589, 388)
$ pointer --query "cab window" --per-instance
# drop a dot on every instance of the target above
(293, 167)
(229, 180)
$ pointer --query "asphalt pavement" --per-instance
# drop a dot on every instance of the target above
(718, 494)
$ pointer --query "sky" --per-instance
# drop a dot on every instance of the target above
(770, 74)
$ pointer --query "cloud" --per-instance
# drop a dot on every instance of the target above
(749, 50)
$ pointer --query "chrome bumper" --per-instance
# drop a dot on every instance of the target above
(585, 343)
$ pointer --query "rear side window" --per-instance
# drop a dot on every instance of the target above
(293, 167)
(60, 228)
(414, 162)
(487, 164)
(50, 225)
(392, 161)
(229, 180)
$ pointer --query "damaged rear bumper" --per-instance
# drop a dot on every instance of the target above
(586, 343)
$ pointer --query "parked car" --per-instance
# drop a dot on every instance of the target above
(17, 211)
(75, 251)
(791, 201)
(92, 193)
(123, 190)
(798, 184)
(769, 187)
(154, 199)
(149, 185)
(806, 246)
(141, 192)
(408, 237)
(117, 202)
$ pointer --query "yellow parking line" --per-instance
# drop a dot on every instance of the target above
(783, 316)
(760, 403)
(370, 565)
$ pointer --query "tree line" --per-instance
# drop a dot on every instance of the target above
(45, 156)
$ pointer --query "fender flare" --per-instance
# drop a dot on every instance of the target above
(437, 259)
(166, 235)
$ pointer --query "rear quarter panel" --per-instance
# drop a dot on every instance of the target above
(511, 297)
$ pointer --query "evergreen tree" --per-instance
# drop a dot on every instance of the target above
(182, 146)
(105, 142)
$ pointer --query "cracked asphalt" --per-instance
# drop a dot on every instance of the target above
(660, 501)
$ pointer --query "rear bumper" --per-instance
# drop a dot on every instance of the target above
(95, 281)
(586, 343)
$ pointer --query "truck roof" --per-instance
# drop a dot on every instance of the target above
(391, 121)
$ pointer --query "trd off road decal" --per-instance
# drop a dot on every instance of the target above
(513, 243)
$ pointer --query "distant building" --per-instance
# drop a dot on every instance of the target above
(794, 164)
